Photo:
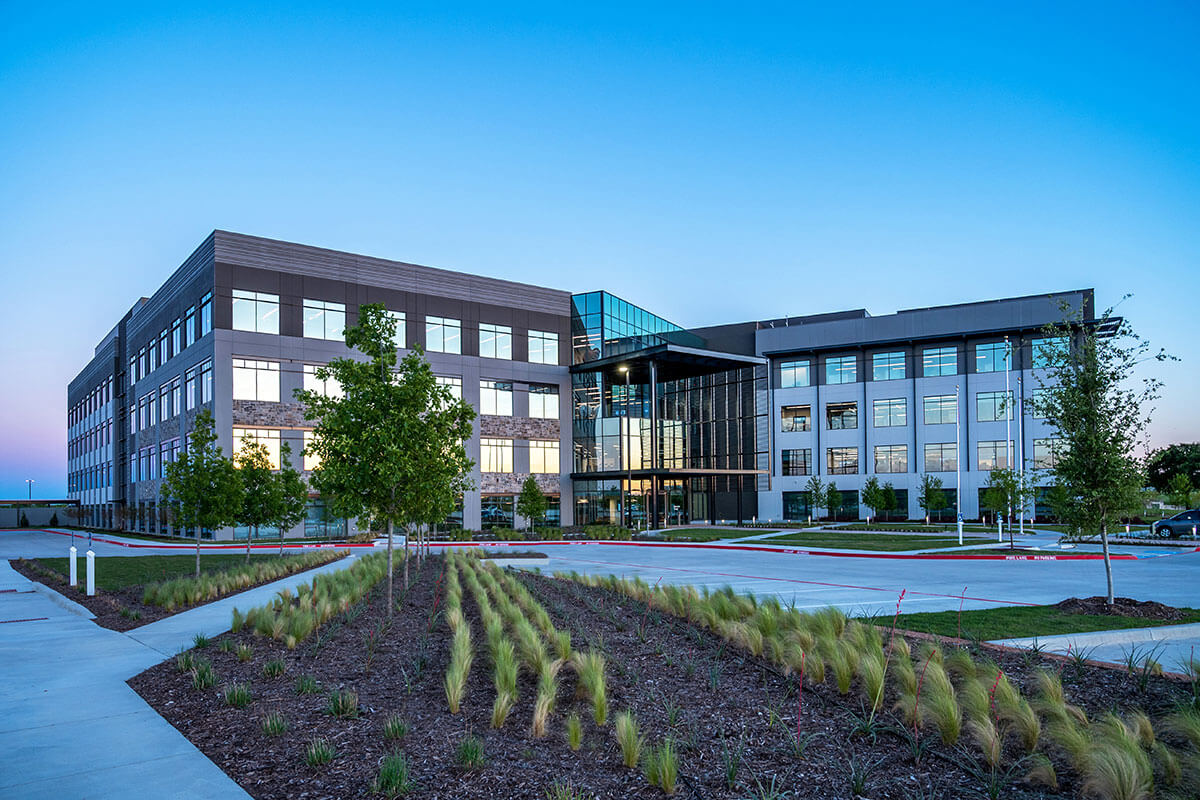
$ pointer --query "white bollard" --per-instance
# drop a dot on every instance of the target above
(72, 561)
(91, 573)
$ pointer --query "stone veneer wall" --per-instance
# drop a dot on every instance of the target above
(510, 482)
(276, 415)
(518, 427)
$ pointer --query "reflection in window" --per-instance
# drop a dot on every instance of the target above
(891, 458)
(1046, 452)
(1048, 350)
(993, 455)
(887, 366)
(324, 320)
(797, 461)
(495, 398)
(891, 413)
(267, 437)
(793, 374)
(841, 369)
(543, 401)
(311, 460)
(841, 416)
(941, 409)
(400, 338)
(941, 457)
(453, 383)
(443, 335)
(993, 406)
(495, 341)
(257, 312)
(937, 361)
(543, 347)
(992, 357)
(255, 380)
(842, 460)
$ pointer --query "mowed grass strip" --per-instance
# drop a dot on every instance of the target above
(866, 541)
(1024, 621)
(119, 572)
(707, 534)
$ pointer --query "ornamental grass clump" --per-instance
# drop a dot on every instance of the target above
(188, 591)
(628, 738)
(459, 669)
(394, 727)
(203, 676)
(394, 778)
(342, 703)
(589, 668)
(469, 753)
(274, 668)
(237, 695)
(319, 752)
(574, 732)
(547, 692)
(660, 765)
(274, 724)
(1117, 767)
(244, 652)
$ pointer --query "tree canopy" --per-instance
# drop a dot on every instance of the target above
(291, 494)
(1165, 463)
(532, 503)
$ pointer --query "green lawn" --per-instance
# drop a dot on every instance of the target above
(704, 534)
(117, 572)
(1021, 621)
(865, 541)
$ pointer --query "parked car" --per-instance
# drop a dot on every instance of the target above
(1182, 524)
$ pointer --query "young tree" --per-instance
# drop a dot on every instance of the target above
(532, 503)
(816, 494)
(890, 501)
(202, 484)
(930, 495)
(1007, 489)
(1089, 399)
(833, 500)
(1179, 490)
(391, 447)
(259, 496)
(291, 494)
(872, 496)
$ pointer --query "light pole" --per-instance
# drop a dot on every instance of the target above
(29, 483)
(1008, 415)
(1021, 448)
(958, 465)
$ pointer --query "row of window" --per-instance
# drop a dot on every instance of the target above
(935, 362)
(94, 477)
(94, 401)
(181, 393)
(939, 457)
(195, 324)
(258, 312)
(893, 412)
(495, 455)
(259, 380)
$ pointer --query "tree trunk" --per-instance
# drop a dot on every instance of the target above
(197, 551)
(249, 537)
(407, 535)
(1107, 560)
(389, 568)
(281, 540)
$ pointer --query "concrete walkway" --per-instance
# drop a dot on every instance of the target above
(70, 727)
(1170, 645)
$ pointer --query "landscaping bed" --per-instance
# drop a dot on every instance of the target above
(738, 722)
(121, 581)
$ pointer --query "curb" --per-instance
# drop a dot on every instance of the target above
(62, 600)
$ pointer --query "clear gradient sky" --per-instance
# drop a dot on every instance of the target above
(713, 163)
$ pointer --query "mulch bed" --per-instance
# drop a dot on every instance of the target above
(1121, 607)
(711, 698)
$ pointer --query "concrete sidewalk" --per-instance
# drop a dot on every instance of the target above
(1170, 645)
(70, 727)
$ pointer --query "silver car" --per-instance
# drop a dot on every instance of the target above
(1185, 523)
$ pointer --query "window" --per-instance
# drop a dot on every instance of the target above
(255, 380)
(323, 320)
(496, 455)
(176, 395)
(941, 409)
(400, 338)
(495, 341)
(543, 347)
(206, 314)
(164, 402)
(453, 384)
(796, 506)
(1036, 399)
(796, 419)
(257, 312)
(176, 341)
(443, 335)
(891, 413)
(793, 374)
(133, 365)
(797, 462)
(543, 401)
(152, 351)
(939, 361)
(841, 416)
(311, 460)
(993, 357)
(891, 458)
(267, 437)
(328, 388)
(496, 510)
(189, 327)
(1046, 452)
(941, 457)
(206, 382)
(543, 457)
(887, 366)
(495, 398)
(189, 387)
(841, 369)
(842, 460)
(993, 455)
(993, 406)
(163, 352)
(1048, 350)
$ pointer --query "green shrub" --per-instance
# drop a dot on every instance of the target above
(319, 752)
(237, 695)
(307, 684)
(274, 724)
(273, 668)
(393, 779)
(342, 704)
(394, 727)
(469, 754)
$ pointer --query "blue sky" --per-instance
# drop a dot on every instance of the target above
(711, 162)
